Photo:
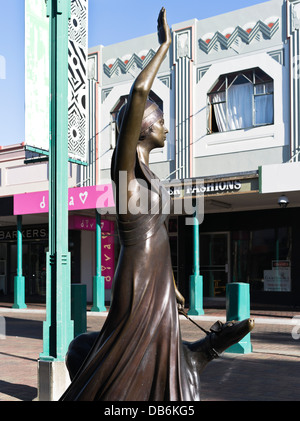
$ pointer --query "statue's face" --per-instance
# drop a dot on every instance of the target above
(158, 134)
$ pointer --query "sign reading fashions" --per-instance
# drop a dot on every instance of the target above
(190, 188)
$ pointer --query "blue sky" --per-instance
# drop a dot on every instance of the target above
(109, 22)
(11, 72)
(120, 20)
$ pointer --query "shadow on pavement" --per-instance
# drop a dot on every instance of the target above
(18, 391)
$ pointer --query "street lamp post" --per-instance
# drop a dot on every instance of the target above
(58, 329)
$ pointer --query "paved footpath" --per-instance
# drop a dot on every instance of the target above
(270, 373)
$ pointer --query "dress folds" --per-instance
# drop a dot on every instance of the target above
(138, 355)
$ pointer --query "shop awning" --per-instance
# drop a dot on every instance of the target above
(280, 178)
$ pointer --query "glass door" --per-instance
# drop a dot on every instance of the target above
(3, 271)
(214, 263)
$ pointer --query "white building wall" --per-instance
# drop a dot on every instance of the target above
(18, 177)
(240, 40)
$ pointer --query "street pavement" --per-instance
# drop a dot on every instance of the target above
(271, 372)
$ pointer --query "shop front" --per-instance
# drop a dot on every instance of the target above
(34, 248)
(83, 242)
(215, 258)
(259, 248)
(245, 236)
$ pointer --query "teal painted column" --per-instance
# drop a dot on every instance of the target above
(78, 308)
(19, 280)
(238, 308)
(98, 280)
(196, 280)
(58, 329)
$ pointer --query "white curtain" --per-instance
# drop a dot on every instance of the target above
(264, 109)
(240, 106)
(220, 110)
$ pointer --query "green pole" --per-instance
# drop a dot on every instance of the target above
(19, 280)
(98, 280)
(196, 280)
(238, 308)
(58, 328)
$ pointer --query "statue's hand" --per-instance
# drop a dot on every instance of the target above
(180, 299)
(163, 30)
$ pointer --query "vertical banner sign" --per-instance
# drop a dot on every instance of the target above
(37, 77)
(87, 223)
(36, 74)
(78, 45)
(107, 252)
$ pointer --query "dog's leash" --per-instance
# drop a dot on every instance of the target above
(181, 311)
(213, 353)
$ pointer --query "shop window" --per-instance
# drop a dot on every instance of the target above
(240, 100)
(262, 258)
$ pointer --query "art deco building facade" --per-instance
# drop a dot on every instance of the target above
(229, 89)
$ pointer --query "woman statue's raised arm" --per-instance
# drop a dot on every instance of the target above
(133, 114)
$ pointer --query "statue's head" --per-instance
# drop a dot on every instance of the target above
(152, 114)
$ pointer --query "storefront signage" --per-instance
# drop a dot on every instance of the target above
(189, 188)
(35, 233)
(87, 223)
(107, 252)
(79, 198)
(80, 222)
(279, 278)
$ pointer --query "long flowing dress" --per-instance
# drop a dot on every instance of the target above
(138, 355)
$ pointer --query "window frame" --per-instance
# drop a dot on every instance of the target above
(225, 81)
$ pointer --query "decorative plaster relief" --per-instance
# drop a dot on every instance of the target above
(296, 16)
(235, 37)
(117, 66)
(183, 43)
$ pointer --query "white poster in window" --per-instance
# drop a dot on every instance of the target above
(278, 279)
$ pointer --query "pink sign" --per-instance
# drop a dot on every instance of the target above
(91, 197)
(81, 222)
(107, 252)
(87, 223)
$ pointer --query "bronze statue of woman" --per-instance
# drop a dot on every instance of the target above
(139, 354)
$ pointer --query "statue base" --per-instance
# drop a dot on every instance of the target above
(53, 380)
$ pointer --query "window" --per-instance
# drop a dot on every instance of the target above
(240, 100)
(262, 258)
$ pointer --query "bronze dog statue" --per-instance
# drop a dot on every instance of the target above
(197, 354)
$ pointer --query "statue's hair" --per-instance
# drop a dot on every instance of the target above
(152, 114)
